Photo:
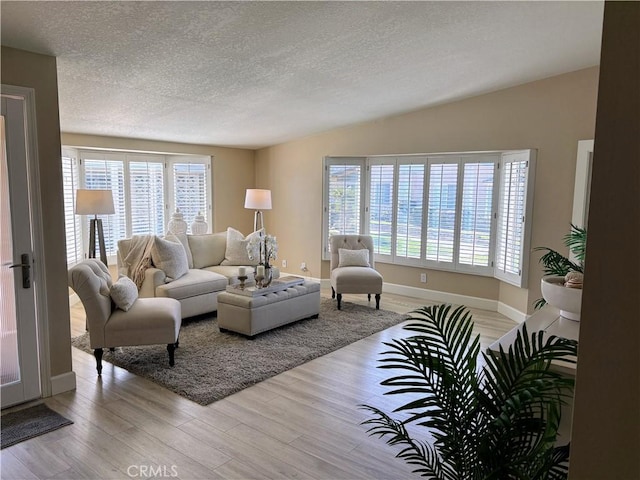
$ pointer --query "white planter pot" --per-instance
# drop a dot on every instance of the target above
(567, 300)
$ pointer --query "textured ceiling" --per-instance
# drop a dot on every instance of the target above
(252, 74)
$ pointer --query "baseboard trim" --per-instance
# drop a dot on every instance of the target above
(437, 296)
(445, 297)
(63, 383)
(512, 313)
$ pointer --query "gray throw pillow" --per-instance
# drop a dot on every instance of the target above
(124, 293)
(353, 258)
(170, 257)
(236, 252)
(182, 238)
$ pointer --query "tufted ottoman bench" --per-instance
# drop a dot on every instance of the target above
(252, 315)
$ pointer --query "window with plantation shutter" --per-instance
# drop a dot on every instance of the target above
(107, 173)
(145, 188)
(343, 198)
(458, 212)
(381, 201)
(441, 213)
(409, 209)
(73, 223)
(146, 197)
(476, 213)
(189, 183)
(514, 210)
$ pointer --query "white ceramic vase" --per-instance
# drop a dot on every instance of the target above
(567, 300)
(177, 225)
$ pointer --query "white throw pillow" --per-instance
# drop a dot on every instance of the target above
(170, 257)
(182, 238)
(236, 252)
(124, 293)
(353, 258)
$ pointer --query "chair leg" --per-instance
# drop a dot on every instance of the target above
(339, 300)
(171, 348)
(97, 352)
(333, 293)
(369, 296)
(377, 301)
(177, 344)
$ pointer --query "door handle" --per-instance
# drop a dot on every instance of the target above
(25, 265)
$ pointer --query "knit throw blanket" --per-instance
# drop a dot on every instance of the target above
(139, 258)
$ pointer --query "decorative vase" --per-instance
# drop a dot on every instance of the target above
(177, 225)
(199, 226)
(268, 276)
(567, 300)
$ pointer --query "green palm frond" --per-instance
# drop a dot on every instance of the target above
(498, 421)
(576, 240)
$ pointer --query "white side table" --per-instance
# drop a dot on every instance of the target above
(548, 319)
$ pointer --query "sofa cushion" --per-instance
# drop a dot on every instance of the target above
(236, 251)
(231, 272)
(170, 257)
(195, 282)
(124, 293)
(207, 250)
(182, 238)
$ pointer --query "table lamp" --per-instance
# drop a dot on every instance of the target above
(258, 200)
(95, 202)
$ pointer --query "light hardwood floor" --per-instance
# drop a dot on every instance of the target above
(301, 424)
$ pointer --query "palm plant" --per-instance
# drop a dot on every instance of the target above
(499, 420)
(554, 263)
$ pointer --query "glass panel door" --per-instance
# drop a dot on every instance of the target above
(9, 366)
(20, 368)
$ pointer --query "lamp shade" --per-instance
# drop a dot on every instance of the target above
(258, 199)
(94, 202)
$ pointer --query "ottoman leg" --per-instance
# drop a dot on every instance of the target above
(339, 300)
(369, 296)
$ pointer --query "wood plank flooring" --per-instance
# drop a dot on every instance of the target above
(301, 424)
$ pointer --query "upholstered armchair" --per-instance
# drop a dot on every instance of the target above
(116, 317)
(352, 267)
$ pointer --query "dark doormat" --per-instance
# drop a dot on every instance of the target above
(31, 422)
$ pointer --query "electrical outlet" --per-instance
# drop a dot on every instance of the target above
(284, 264)
(303, 266)
(423, 277)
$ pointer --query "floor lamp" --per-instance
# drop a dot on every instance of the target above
(95, 202)
(258, 200)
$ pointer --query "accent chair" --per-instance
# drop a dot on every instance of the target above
(352, 267)
(116, 317)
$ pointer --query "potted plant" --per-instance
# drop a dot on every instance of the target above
(496, 421)
(562, 284)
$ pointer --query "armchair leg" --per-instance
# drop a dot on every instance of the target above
(369, 296)
(377, 301)
(177, 344)
(339, 300)
(333, 293)
(97, 352)
(171, 348)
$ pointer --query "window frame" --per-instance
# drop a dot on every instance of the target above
(347, 161)
(461, 159)
(128, 157)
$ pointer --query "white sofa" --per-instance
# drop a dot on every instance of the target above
(209, 272)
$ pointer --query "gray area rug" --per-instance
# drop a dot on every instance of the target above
(30, 422)
(209, 365)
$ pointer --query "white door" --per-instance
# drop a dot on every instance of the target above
(19, 367)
